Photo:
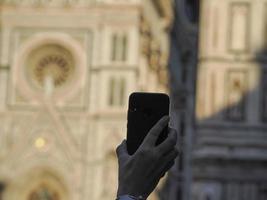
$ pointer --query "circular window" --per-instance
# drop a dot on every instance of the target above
(49, 67)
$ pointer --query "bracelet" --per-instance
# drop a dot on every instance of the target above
(130, 197)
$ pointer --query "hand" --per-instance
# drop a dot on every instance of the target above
(140, 173)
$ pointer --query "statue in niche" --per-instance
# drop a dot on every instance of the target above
(146, 37)
(44, 193)
(154, 57)
(236, 92)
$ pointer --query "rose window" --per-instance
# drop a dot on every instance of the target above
(49, 67)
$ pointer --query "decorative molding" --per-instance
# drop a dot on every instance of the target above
(46, 2)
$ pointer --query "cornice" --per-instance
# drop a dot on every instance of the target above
(45, 2)
(67, 4)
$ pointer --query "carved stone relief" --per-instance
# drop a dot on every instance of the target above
(146, 37)
(151, 50)
(155, 55)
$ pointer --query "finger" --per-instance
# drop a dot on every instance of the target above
(164, 162)
(162, 170)
(155, 131)
(122, 150)
(171, 156)
(169, 143)
(167, 163)
(166, 168)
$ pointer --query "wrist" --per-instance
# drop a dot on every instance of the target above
(130, 189)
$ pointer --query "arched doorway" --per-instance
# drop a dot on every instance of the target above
(38, 185)
(46, 186)
(43, 192)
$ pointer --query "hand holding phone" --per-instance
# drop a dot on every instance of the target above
(140, 173)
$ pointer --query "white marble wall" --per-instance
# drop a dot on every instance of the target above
(67, 143)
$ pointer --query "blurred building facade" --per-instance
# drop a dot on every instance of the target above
(224, 141)
(230, 150)
(66, 70)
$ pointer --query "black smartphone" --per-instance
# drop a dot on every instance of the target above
(144, 111)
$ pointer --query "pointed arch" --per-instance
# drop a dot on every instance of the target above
(36, 183)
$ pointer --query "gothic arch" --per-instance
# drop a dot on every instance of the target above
(37, 184)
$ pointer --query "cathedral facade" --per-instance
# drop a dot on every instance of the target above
(66, 70)
(230, 142)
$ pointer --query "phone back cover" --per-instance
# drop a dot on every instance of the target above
(145, 110)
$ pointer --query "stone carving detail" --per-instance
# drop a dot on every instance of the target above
(155, 55)
(51, 63)
(151, 50)
(146, 37)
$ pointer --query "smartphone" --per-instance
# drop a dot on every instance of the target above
(144, 111)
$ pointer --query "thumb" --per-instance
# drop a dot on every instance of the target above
(122, 150)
